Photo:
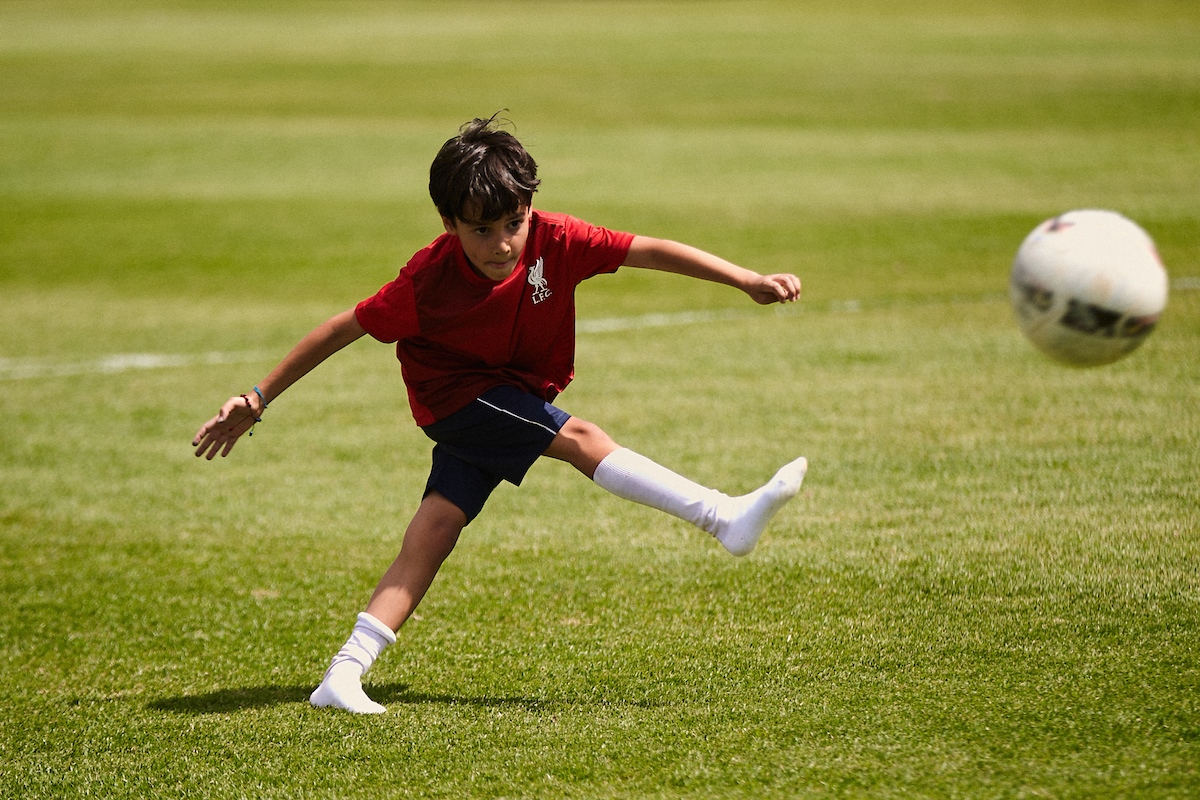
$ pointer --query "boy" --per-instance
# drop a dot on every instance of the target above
(483, 321)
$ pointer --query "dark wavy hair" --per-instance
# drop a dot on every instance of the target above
(484, 172)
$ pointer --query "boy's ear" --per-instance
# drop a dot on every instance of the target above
(448, 224)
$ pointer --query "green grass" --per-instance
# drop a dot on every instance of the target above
(986, 589)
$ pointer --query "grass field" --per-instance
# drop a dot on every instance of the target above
(988, 587)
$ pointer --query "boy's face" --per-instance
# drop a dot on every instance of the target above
(493, 248)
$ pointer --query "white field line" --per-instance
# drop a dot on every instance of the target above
(610, 324)
(13, 369)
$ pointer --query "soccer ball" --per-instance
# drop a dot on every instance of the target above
(1088, 287)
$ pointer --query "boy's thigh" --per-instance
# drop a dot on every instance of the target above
(463, 484)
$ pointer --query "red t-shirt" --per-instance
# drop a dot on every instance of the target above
(459, 334)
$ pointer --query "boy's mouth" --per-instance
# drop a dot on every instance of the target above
(506, 265)
(498, 270)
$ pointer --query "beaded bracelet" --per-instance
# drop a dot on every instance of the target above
(257, 419)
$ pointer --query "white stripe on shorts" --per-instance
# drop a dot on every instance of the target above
(516, 416)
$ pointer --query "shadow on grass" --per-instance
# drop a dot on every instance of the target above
(227, 701)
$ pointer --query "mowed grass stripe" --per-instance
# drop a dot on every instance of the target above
(748, 170)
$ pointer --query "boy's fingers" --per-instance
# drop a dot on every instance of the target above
(784, 287)
(788, 287)
(205, 431)
(200, 434)
(214, 447)
(205, 447)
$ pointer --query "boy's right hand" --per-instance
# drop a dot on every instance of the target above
(781, 288)
(221, 433)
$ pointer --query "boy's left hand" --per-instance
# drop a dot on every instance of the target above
(781, 288)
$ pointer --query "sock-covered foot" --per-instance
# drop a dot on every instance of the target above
(741, 520)
(342, 688)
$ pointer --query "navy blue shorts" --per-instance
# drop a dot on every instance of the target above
(497, 437)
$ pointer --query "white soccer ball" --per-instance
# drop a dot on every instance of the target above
(1088, 287)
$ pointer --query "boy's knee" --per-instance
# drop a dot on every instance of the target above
(586, 435)
(582, 444)
(440, 517)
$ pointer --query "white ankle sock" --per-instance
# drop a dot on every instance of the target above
(736, 522)
(342, 685)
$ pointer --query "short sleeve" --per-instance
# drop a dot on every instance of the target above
(391, 314)
(595, 250)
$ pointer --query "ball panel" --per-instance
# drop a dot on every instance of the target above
(1087, 287)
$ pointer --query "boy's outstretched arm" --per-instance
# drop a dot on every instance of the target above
(239, 413)
(682, 259)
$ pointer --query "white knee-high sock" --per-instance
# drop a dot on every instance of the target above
(342, 685)
(736, 522)
(632, 476)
